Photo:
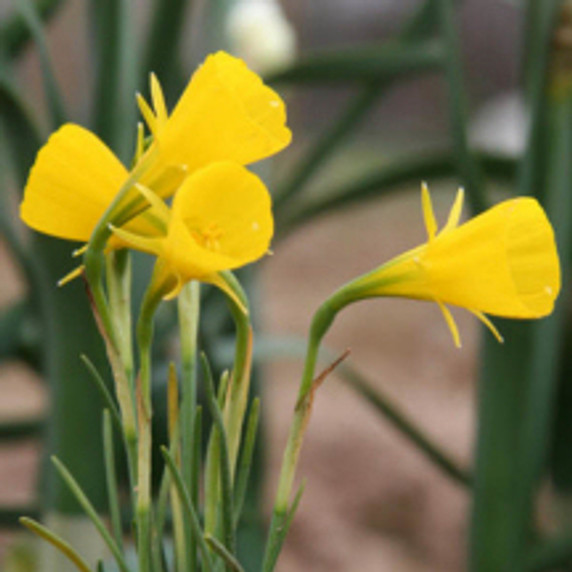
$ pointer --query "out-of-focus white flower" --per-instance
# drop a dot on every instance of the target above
(261, 35)
(501, 126)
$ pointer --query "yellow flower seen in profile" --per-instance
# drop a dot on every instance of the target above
(226, 113)
(503, 262)
(221, 219)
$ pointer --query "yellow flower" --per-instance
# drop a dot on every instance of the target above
(226, 113)
(503, 262)
(220, 219)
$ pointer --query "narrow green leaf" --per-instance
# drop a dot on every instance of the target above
(91, 513)
(227, 500)
(469, 168)
(53, 93)
(111, 478)
(57, 542)
(245, 464)
(231, 562)
(190, 511)
(22, 131)
(379, 182)
(376, 63)
(116, 64)
(105, 393)
(163, 43)
(15, 34)
(406, 426)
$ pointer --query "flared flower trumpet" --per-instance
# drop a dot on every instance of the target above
(221, 219)
(226, 113)
(503, 262)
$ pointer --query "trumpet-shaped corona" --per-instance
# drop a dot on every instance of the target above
(226, 113)
(220, 219)
(503, 262)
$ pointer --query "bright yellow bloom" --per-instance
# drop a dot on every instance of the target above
(221, 219)
(503, 262)
(226, 113)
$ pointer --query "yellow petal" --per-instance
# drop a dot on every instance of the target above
(225, 113)
(503, 262)
(226, 211)
(73, 180)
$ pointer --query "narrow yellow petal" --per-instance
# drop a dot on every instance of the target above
(147, 114)
(218, 281)
(71, 184)
(140, 145)
(161, 209)
(451, 323)
(158, 101)
(142, 243)
(455, 214)
(428, 213)
(483, 318)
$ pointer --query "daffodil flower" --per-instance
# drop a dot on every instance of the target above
(503, 262)
(226, 113)
(220, 219)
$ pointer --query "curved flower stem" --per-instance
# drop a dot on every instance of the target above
(321, 323)
(121, 209)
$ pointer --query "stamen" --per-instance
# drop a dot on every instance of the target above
(451, 323)
(71, 276)
(484, 319)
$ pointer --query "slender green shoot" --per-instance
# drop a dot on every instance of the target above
(89, 509)
(57, 542)
(191, 513)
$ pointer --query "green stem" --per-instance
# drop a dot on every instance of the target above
(189, 311)
(119, 290)
(149, 306)
(321, 322)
